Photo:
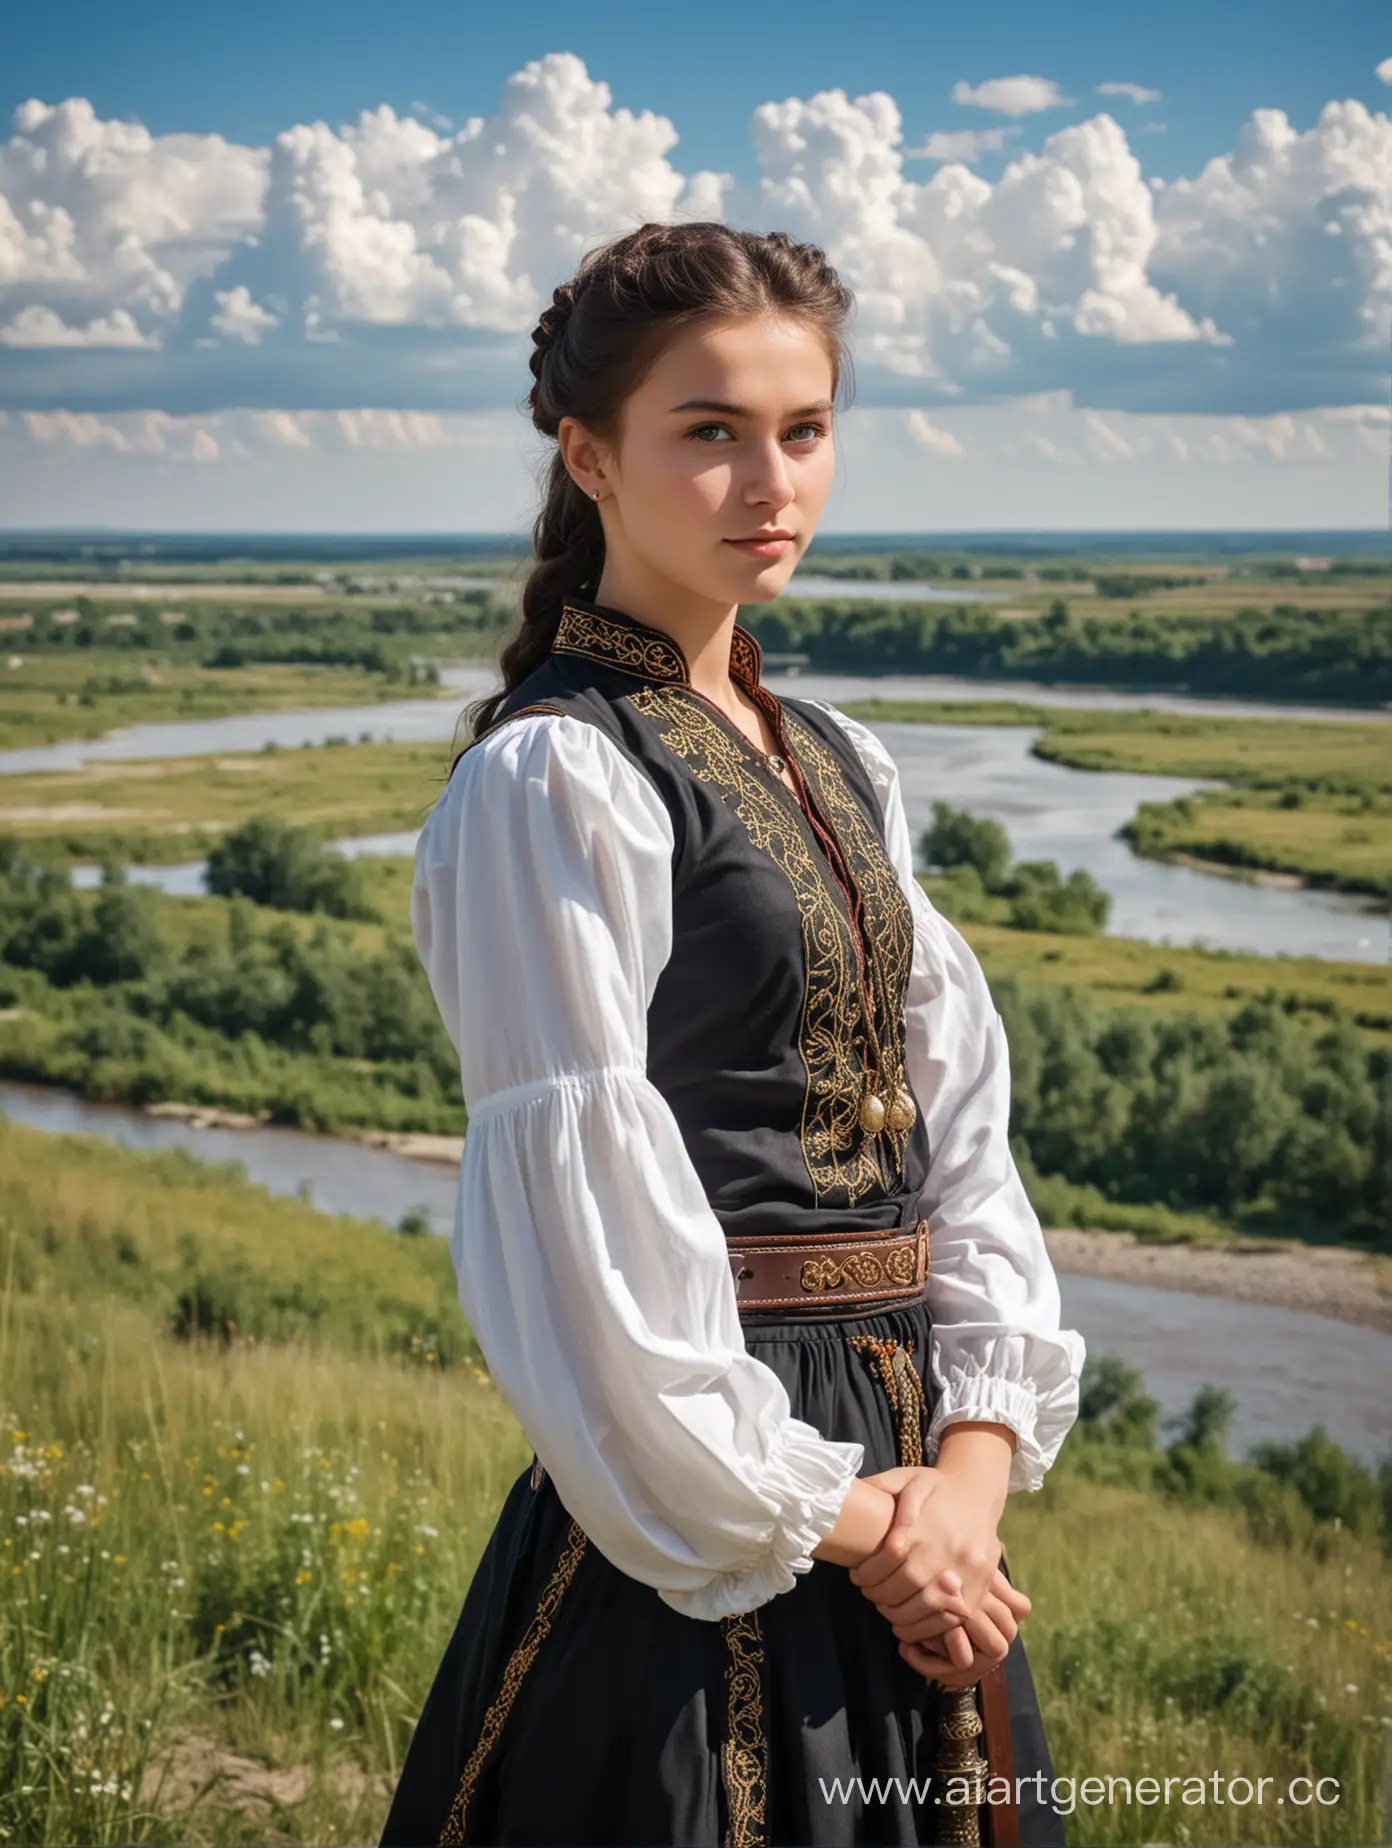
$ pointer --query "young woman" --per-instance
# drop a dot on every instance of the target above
(738, 1229)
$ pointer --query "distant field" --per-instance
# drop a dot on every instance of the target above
(1219, 594)
(52, 698)
(1310, 799)
(1154, 742)
(1343, 843)
(111, 592)
(171, 809)
(1165, 980)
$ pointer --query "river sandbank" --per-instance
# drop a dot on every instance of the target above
(1328, 1280)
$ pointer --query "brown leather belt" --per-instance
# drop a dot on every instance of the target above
(828, 1270)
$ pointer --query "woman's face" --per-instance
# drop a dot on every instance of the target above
(723, 461)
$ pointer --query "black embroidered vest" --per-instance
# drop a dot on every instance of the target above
(757, 1033)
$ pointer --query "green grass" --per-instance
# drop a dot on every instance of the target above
(1343, 843)
(173, 809)
(52, 698)
(1258, 752)
(1311, 799)
(277, 1527)
(1162, 980)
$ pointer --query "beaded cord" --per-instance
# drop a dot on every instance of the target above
(957, 1763)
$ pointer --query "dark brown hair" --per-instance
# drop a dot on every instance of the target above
(595, 344)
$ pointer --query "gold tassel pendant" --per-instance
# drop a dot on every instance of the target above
(903, 1110)
(872, 1113)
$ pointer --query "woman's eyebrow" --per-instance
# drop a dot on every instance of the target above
(743, 410)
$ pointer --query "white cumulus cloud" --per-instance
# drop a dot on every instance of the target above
(400, 262)
(37, 326)
(240, 318)
(1289, 238)
(99, 216)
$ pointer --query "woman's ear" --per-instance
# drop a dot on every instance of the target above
(582, 454)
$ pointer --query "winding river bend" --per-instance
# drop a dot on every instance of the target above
(1050, 811)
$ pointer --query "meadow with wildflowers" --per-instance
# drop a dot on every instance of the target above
(249, 1458)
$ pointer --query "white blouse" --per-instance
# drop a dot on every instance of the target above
(591, 1268)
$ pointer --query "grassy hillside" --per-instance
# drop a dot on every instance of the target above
(233, 1558)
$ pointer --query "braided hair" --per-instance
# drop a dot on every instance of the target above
(593, 346)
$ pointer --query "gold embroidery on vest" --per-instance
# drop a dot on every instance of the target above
(521, 1659)
(632, 646)
(744, 1754)
(888, 916)
(841, 1159)
(637, 648)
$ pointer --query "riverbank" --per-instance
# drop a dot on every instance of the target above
(1336, 1281)
(1329, 1280)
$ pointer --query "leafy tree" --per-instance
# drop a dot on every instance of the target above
(1113, 1405)
(272, 862)
(959, 838)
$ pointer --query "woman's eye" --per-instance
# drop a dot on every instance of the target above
(801, 433)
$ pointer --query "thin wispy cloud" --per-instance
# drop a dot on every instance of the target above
(1137, 92)
(968, 145)
(1012, 96)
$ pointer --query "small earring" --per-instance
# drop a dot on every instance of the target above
(595, 492)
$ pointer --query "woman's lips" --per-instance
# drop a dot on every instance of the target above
(761, 548)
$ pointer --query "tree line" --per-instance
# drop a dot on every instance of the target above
(1256, 1119)
(1335, 656)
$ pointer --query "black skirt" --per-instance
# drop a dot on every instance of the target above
(573, 1706)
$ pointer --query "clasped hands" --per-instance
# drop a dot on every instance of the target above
(936, 1577)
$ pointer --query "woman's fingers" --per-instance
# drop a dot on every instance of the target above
(958, 1647)
(1009, 1595)
(997, 1627)
(933, 1668)
(990, 1630)
(925, 1614)
(887, 1559)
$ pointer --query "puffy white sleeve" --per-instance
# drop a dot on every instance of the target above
(591, 1268)
(997, 1350)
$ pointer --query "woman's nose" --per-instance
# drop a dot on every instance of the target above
(769, 479)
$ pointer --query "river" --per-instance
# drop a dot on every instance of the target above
(1288, 1370)
(1052, 812)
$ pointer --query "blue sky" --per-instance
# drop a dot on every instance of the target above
(248, 71)
(1169, 231)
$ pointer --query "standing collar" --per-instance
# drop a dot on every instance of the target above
(599, 633)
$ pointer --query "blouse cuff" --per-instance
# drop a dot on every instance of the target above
(809, 1477)
(1018, 1378)
(994, 1401)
